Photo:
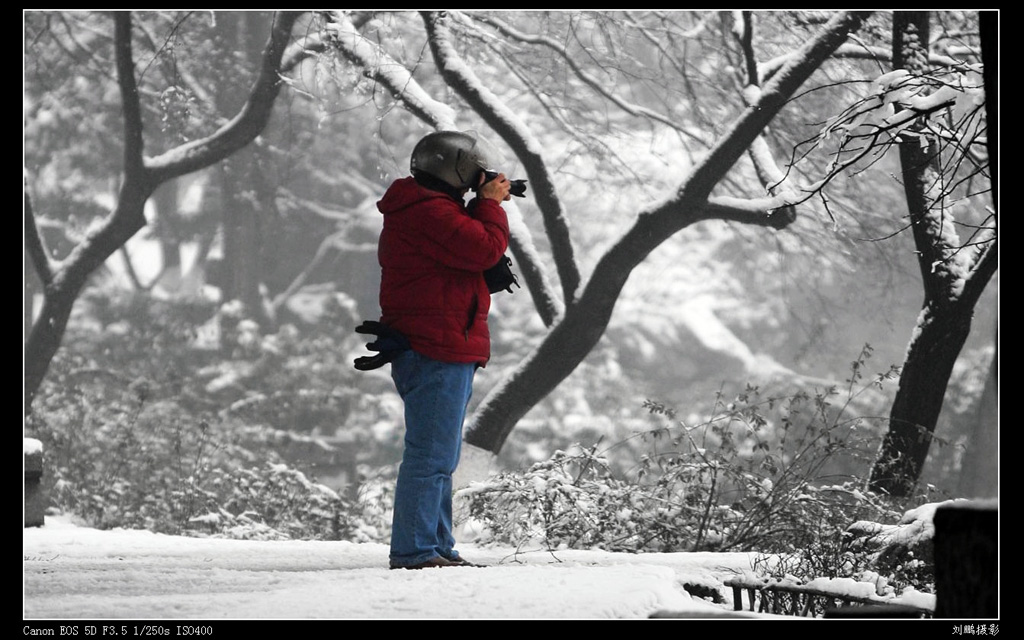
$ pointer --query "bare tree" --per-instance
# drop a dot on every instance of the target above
(63, 281)
(929, 107)
(954, 274)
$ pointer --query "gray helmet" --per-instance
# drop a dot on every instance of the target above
(451, 156)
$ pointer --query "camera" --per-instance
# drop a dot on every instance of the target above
(517, 188)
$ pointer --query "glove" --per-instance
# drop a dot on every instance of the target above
(500, 276)
(388, 345)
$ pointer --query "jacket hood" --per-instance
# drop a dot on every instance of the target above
(404, 193)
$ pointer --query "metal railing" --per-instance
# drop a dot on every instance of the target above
(764, 596)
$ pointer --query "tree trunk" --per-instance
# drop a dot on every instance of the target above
(951, 288)
(940, 336)
(166, 200)
(62, 287)
(242, 237)
(239, 177)
(61, 291)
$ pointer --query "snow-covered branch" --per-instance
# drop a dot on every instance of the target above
(530, 264)
(776, 211)
(984, 265)
(760, 154)
(944, 105)
(379, 66)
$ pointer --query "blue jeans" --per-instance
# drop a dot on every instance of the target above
(436, 395)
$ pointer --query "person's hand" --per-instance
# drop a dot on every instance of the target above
(497, 189)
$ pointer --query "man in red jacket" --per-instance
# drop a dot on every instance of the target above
(433, 252)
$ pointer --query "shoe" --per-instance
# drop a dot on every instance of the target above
(459, 561)
(436, 561)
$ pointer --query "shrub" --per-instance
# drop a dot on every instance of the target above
(145, 428)
(757, 474)
(147, 466)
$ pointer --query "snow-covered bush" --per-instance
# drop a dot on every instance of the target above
(896, 558)
(150, 423)
(756, 474)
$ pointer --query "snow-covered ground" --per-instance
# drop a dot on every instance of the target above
(74, 572)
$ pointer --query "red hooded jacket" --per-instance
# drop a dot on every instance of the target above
(433, 251)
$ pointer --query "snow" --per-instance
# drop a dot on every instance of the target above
(699, 317)
(76, 572)
(32, 446)
(397, 76)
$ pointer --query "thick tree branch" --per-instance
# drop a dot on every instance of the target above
(245, 126)
(744, 33)
(136, 186)
(776, 212)
(134, 169)
(760, 154)
(378, 66)
(773, 97)
(982, 270)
